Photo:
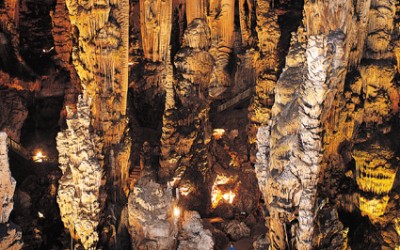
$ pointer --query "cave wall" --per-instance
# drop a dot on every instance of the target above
(319, 132)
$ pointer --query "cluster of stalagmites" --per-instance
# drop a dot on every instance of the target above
(10, 236)
(152, 224)
(291, 147)
(79, 189)
(335, 101)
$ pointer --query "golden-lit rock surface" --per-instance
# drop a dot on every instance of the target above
(221, 20)
(102, 65)
(156, 23)
(199, 124)
(152, 221)
(186, 104)
(7, 181)
(79, 190)
(10, 236)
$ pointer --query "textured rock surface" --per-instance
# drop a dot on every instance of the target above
(13, 113)
(152, 223)
(185, 121)
(100, 56)
(10, 236)
(79, 189)
(193, 235)
(102, 66)
(236, 230)
(7, 181)
(324, 113)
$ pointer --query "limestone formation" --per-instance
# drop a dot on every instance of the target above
(266, 67)
(79, 187)
(236, 230)
(13, 113)
(100, 56)
(156, 23)
(174, 110)
(152, 221)
(7, 181)
(193, 234)
(221, 16)
(295, 141)
(10, 236)
(63, 43)
(190, 113)
(102, 65)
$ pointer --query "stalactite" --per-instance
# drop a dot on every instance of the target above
(156, 24)
(195, 9)
(246, 9)
(190, 113)
(101, 63)
(221, 20)
(266, 67)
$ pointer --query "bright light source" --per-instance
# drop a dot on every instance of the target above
(218, 133)
(39, 157)
(219, 193)
(228, 197)
(40, 215)
(177, 212)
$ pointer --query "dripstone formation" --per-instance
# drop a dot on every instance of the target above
(182, 124)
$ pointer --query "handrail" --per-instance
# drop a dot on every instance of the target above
(16, 147)
(235, 100)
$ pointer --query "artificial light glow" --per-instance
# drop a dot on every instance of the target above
(228, 197)
(219, 193)
(218, 133)
(177, 212)
(39, 157)
(40, 215)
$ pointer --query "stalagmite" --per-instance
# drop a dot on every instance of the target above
(152, 222)
(295, 141)
(266, 67)
(377, 72)
(100, 57)
(80, 185)
(10, 235)
(191, 110)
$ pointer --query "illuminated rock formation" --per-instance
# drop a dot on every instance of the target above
(375, 159)
(79, 187)
(62, 36)
(10, 236)
(100, 56)
(152, 224)
(246, 11)
(156, 23)
(266, 67)
(221, 20)
(7, 181)
(102, 65)
(190, 114)
(195, 9)
(295, 142)
(193, 234)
